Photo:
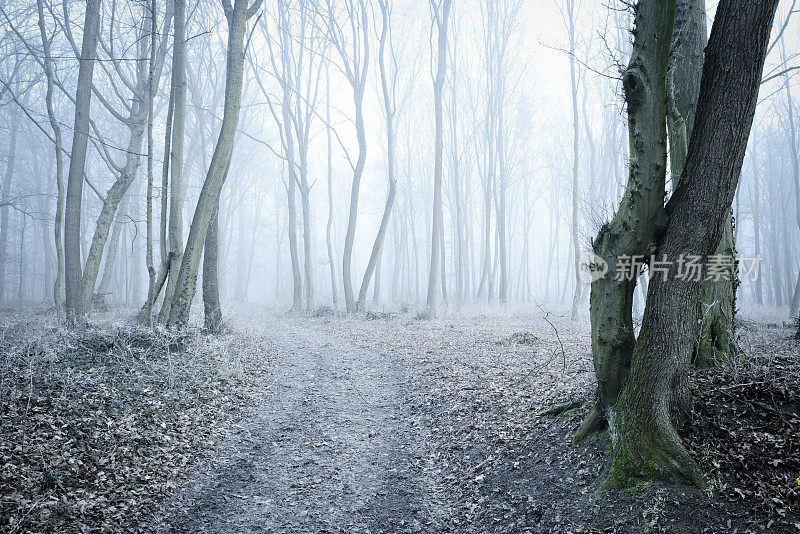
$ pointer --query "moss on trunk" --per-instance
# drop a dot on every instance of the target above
(630, 233)
(645, 442)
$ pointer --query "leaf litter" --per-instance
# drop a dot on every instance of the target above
(97, 424)
(100, 426)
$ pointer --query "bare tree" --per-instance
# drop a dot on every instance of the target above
(58, 147)
(388, 75)
(297, 65)
(237, 16)
(646, 442)
(173, 159)
(77, 163)
(151, 270)
(631, 230)
(441, 19)
(350, 39)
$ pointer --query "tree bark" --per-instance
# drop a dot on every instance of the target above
(187, 276)
(645, 441)
(6, 199)
(715, 338)
(630, 232)
(77, 164)
(212, 309)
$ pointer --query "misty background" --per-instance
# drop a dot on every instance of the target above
(509, 155)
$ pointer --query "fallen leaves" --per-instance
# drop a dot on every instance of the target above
(97, 424)
(746, 427)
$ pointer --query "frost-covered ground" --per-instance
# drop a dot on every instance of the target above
(387, 422)
(98, 426)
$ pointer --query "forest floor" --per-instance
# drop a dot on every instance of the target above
(387, 422)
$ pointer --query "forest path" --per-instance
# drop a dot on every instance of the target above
(329, 447)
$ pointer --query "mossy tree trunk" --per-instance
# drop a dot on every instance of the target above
(645, 441)
(715, 333)
(174, 163)
(237, 16)
(630, 233)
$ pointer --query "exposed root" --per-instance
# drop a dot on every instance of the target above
(560, 408)
(593, 423)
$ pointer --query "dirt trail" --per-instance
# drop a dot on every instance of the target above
(329, 448)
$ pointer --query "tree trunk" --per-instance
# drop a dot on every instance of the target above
(178, 90)
(756, 207)
(212, 309)
(21, 281)
(187, 276)
(631, 231)
(683, 87)
(329, 226)
(6, 207)
(576, 246)
(389, 112)
(294, 253)
(308, 255)
(137, 125)
(456, 181)
(644, 439)
(77, 164)
(112, 248)
(795, 302)
(442, 15)
(347, 260)
(501, 197)
(57, 137)
(151, 93)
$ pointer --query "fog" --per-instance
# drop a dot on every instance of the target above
(399, 266)
(515, 197)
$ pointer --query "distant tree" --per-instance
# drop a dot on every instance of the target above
(441, 19)
(388, 76)
(348, 31)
